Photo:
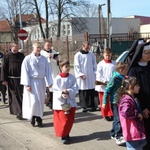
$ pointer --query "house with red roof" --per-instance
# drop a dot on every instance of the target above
(10, 28)
(27, 20)
(5, 31)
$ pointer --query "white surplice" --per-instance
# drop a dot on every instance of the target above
(35, 72)
(46, 54)
(60, 84)
(104, 73)
(85, 64)
(52, 63)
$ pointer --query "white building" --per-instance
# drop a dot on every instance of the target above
(78, 26)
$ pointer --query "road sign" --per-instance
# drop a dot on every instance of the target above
(22, 34)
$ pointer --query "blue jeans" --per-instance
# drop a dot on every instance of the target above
(135, 145)
(116, 126)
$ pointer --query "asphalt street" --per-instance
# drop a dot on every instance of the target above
(89, 132)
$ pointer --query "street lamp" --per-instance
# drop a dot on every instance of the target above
(109, 26)
(99, 16)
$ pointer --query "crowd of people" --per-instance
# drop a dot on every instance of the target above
(123, 89)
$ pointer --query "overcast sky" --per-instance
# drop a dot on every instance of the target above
(123, 8)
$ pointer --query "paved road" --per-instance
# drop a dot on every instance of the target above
(90, 132)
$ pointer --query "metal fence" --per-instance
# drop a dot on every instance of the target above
(68, 46)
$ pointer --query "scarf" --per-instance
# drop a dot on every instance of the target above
(63, 75)
(107, 61)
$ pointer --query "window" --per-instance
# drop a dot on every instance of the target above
(68, 29)
(53, 31)
(64, 30)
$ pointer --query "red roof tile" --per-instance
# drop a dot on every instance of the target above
(28, 17)
(4, 26)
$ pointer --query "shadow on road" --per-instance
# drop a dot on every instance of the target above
(4, 106)
(104, 135)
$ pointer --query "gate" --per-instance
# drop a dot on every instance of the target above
(119, 42)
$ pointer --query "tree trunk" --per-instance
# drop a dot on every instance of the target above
(47, 28)
(39, 19)
(59, 19)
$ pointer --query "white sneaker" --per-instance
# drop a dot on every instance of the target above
(113, 137)
(120, 141)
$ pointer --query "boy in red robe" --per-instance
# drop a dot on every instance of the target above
(64, 103)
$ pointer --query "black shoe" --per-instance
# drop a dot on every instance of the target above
(33, 121)
(84, 110)
(68, 138)
(93, 109)
(40, 124)
(98, 109)
(64, 140)
(109, 118)
(19, 116)
(49, 105)
(5, 101)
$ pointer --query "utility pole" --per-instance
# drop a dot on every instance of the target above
(99, 18)
(20, 20)
(109, 31)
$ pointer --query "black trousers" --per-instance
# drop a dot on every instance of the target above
(38, 119)
(87, 98)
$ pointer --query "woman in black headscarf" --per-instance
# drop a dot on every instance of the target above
(140, 68)
(133, 49)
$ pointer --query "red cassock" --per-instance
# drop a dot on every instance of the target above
(107, 112)
(63, 122)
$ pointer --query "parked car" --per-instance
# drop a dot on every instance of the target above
(122, 56)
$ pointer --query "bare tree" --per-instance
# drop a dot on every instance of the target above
(88, 10)
(10, 10)
(39, 18)
(56, 9)
(47, 19)
(61, 9)
(37, 4)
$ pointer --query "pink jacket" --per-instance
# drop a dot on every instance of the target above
(132, 127)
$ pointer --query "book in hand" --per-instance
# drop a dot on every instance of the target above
(100, 83)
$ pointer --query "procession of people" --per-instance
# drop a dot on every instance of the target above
(123, 88)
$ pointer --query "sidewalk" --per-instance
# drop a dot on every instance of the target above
(90, 132)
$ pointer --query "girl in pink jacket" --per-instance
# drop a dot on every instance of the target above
(130, 114)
